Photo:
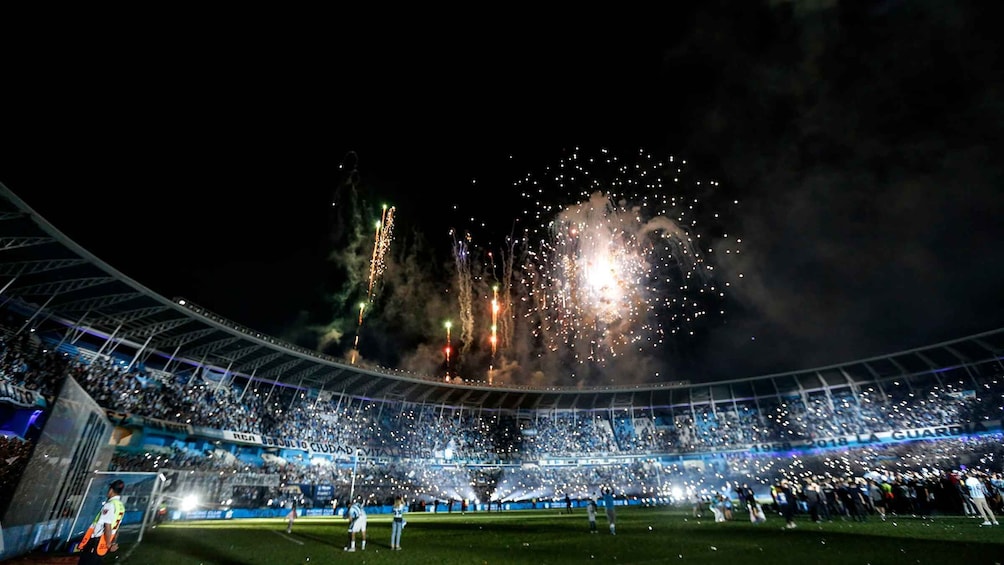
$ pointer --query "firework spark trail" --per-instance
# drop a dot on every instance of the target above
(495, 307)
(506, 327)
(500, 307)
(465, 290)
(448, 349)
(382, 237)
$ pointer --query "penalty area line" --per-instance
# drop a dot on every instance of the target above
(296, 541)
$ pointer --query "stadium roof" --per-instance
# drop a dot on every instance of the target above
(55, 281)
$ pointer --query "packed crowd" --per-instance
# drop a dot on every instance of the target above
(445, 452)
(14, 454)
(417, 430)
(921, 474)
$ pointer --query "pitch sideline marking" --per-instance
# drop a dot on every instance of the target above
(296, 541)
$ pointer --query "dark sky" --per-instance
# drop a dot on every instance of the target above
(863, 143)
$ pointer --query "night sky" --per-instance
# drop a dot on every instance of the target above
(855, 151)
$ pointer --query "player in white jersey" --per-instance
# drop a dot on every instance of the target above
(357, 524)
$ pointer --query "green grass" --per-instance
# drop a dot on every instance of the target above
(644, 535)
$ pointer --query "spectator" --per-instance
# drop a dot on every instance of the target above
(290, 518)
(785, 497)
(591, 513)
(978, 495)
(397, 523)
(608, 504)
(757, 515)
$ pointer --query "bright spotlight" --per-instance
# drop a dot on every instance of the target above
(189, 503)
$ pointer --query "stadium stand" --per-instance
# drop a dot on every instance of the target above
(245, 423)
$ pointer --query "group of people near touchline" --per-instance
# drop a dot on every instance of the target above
(100, 537)
(356, 515)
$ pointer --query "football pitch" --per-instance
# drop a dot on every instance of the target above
(643, 535)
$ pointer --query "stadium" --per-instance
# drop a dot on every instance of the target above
(208, 420)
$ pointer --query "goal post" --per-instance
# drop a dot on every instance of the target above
(141, 496)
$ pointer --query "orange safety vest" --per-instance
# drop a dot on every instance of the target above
(102, 546)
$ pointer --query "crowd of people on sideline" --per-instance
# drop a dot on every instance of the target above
(14, 453)
(874, 495)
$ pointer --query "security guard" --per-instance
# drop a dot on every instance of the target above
(100, 537)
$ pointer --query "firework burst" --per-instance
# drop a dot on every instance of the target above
(611, 272)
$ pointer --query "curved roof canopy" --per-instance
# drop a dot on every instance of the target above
(55, 281)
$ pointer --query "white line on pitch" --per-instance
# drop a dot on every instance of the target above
(294, 540)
